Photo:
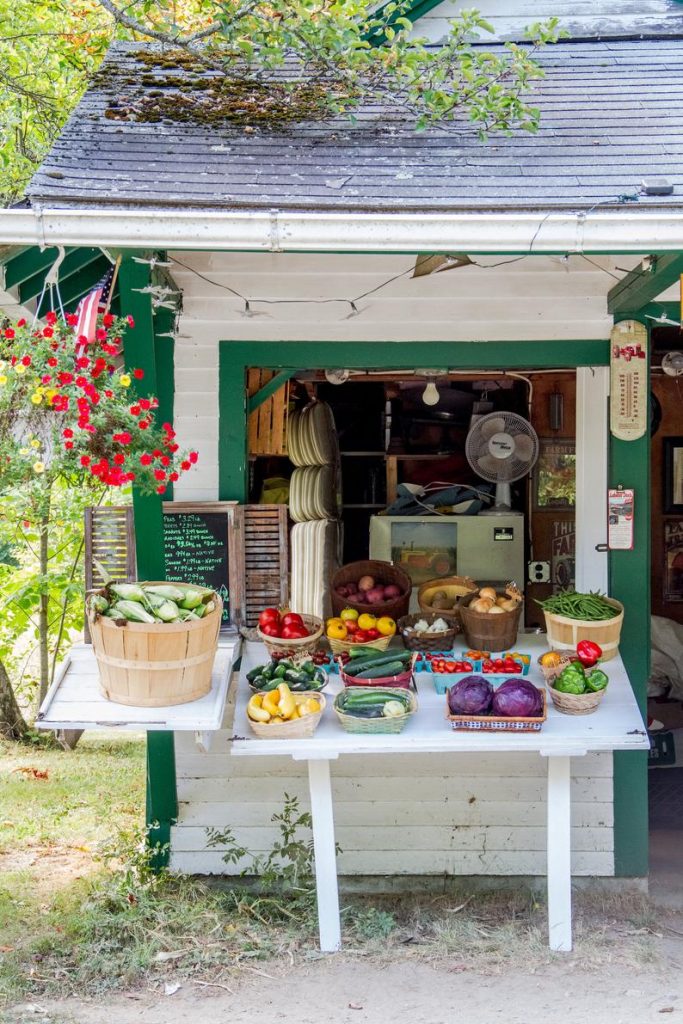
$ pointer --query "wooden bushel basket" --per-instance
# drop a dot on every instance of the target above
(564, 633)
(157, 664)
(484, 632)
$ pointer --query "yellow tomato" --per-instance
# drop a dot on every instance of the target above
(336, 630)
(348, 614)
(367, 621)
(550, 659)
(386, 626)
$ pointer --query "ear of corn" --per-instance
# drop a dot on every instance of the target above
(128, 592)
(166, 590)
(133, 611)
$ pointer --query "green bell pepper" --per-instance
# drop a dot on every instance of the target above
(572, 679)
(596, 680)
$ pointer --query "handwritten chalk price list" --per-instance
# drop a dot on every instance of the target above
(196, 550)
(629, 388)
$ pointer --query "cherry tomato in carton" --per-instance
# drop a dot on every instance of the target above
(468, 666)
(451, 666)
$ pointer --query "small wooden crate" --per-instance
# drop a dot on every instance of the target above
(490, 723)
(268, 423)
(265, 568)
(156, 664)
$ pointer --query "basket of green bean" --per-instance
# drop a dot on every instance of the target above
(571, 616)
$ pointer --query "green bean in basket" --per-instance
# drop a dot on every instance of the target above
(590, 607)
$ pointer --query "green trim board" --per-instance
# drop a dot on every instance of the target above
(629, 465)
(640, 286)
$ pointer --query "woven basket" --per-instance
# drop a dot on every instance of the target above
(576, 703)
(455, 586)
(564, 633)
(156, 664)
(551, 672)
(381, 572)
(403, 681)
(319, 668)
(294, 648)
(484, 632)
(344, 646)
(427, 641)
(489, 723)
(297, 729)
(377, 726)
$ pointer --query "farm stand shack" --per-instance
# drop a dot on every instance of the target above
(408, 286)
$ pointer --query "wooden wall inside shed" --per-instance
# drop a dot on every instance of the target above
(536, 298)
(410, 815)
(669, 391)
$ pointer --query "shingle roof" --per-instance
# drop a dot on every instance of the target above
(611, 114)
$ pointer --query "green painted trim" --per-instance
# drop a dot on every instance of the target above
(82, 282)
(672, 310)
(639, 287)
(28, 262)
(232, 423)
(164, 357)
(74, 261)
(629, 582)
(139, 346)
(268, 389)
(413, 10)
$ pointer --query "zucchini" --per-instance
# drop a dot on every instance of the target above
(391, 668)
(372, 695)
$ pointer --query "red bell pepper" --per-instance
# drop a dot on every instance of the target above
(589, 653)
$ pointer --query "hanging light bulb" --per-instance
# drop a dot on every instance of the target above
(430, 395)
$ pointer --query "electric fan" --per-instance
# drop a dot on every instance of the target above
(501, 448)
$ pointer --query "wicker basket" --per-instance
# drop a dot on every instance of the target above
(382, 572)
(455, 586)
(326, 679)
(576, 703)
(297, 729)
(344, 646)
(551, 672)
(484, 632)
(294, 648)
(403, 681)
(564, 633)
(377, 726)
(489, 723)
(427, 641)
(156, 664)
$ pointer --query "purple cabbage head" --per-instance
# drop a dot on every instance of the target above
(517, 698)
(470, 696)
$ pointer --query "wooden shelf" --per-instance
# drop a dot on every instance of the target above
(355, 505)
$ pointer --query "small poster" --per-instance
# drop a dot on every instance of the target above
(673, 560)
(620, 519)
(629, 387)
(563, 554)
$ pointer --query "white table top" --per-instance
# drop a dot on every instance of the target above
(74, 700)
(616, 725)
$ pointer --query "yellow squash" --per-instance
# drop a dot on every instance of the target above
(255, 709)
(286, 703)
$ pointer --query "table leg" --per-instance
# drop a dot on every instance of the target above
(325, 855)
(559, 854)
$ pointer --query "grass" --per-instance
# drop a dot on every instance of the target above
(75, 922)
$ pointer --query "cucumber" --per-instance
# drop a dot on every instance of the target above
(280, 671)
(363, 650)
(372, 695)
(309, 668)
(299, 679)
(391, 668)
(354, 668)
(255, 673)
(267, 671)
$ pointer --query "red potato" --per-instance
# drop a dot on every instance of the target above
(375, 596)
(343, 591)
(391, 591)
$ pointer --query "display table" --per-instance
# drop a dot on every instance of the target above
(616, 725)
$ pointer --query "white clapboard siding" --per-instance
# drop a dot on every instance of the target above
(534, 299)
(579, 19)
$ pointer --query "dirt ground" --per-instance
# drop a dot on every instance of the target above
(340, 991)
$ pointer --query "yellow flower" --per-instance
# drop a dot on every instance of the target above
(20, 368)
(50, 394)
(124, 380)
(24, 451)
(36, 398)
(35, 443)
(38, 467)
(3, 379)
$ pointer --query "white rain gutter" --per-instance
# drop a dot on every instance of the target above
(650, 229)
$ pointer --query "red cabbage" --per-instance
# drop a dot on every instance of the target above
(517, 698)
(470, 696)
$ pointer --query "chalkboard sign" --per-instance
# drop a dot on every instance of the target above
(198, 545)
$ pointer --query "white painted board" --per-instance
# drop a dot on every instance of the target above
(616, 725)
(74, 700)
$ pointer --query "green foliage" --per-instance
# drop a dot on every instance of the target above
(373, 923)
(350, 51)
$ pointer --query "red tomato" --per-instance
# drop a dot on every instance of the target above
(292, 619)
(293, 632)
(268, 615)
(351, 627)
(373, 634)
(468, 667)
(451, 666)
(361, 637)
(270, 629)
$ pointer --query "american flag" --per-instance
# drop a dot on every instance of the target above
(95, 302)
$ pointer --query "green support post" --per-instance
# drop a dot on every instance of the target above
(140, 350)
(232, 426)
(630, 583)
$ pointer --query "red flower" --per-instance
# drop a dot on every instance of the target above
(161, 488)
(21, 323)
(168, 428)
(173, 477)
(83, 363)
(145, 459)
(85, 460)
(81, 382)
(82, 340)
(65, 378)
(60, 403)
(9, 333)
(138, 374)
(131, 322)
(157, 453)
(144, 404)
(159, 474)
(52, 361)
(173, 448)
(101, 334)
(51, 318)
(71, 319)
(123, 437)
(107, 319)
(193, 457)
(143, 424)
(45, 379)
(134, 410)
(108, 393)
(67, 432)
(68, 444)
(119, 458)
(26, 360)
(165, 461)
(130, 476)
(48, 332)
(185, 465)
